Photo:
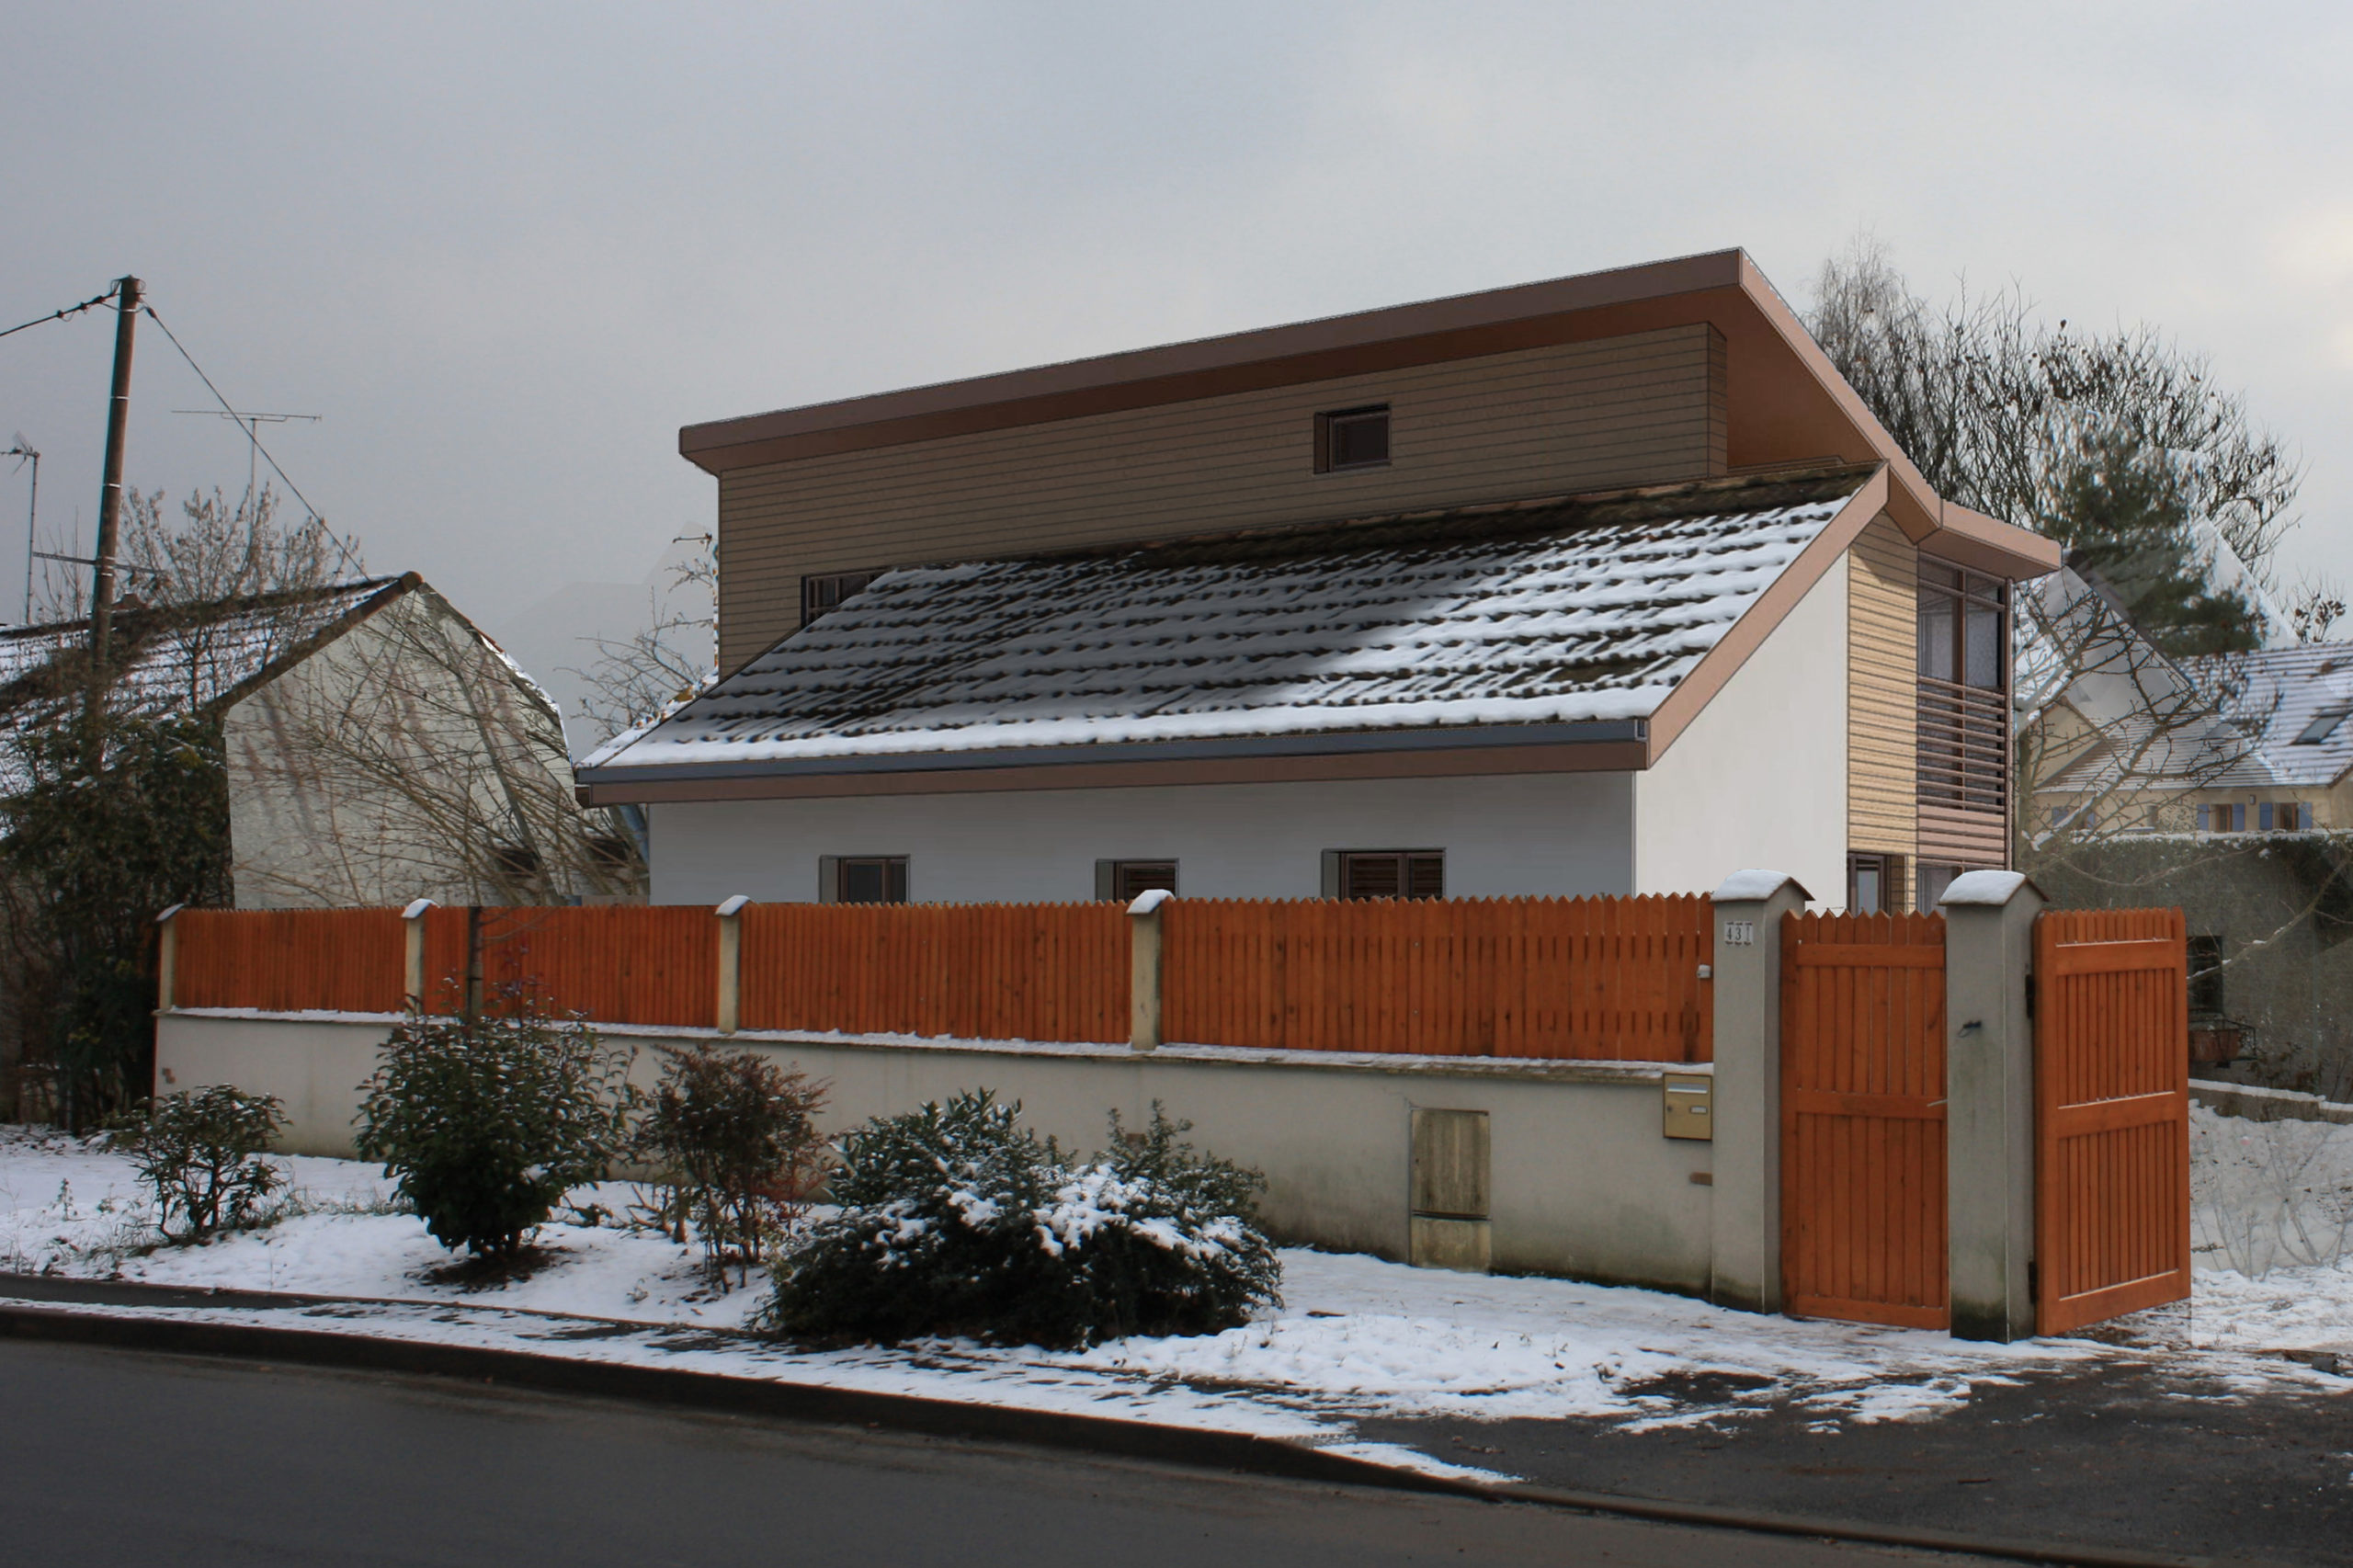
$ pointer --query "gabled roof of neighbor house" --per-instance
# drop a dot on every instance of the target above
(195, 658)
(1786, 403)
(2276, 695)
(1575, 621)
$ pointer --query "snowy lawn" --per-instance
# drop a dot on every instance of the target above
(1357, 1337)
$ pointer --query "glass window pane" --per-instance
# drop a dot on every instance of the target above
(1936, 637)
(1984, 648)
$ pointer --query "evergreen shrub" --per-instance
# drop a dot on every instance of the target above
(486, 1123)
(953, 1219)
(728, 1137)
(203, 1153)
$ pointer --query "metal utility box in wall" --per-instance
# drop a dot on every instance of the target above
(1449, 1223)
(1690, 1104)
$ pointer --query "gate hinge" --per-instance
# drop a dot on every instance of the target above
(2030, 995)
(2033, 1282)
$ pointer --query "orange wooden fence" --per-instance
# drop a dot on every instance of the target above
(618, 964)
(290, 960)
(2111, 1114)
(1047, 971)
(1863, 1182)
(1614, 979)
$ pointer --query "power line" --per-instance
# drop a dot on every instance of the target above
(60, 316)
(252, 434)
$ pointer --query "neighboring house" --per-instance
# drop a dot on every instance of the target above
(2223, 785)
(1603, 586)
(379, 747)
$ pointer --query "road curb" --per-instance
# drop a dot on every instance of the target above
(57, 1322)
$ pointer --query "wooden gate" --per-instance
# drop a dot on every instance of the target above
(1863, 1118)
(2111, 1114)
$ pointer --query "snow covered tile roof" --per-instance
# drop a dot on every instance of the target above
(1536, 612)
(2276, 695)
(175, 664)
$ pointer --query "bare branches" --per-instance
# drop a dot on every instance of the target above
(635, 680)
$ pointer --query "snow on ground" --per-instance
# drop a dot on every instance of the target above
(1356, 1337)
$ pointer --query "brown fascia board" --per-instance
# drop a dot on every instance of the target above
(1788, 404)
(1694, 691)
(1463, 326)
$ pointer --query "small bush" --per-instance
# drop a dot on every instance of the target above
(201, 1154)
(727, 1133)
(955, 1220)
(485, 1124)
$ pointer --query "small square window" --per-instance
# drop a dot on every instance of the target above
(862, 878)
(1352, 437)
(1127, 879)
(1388, 873)
(820, 594)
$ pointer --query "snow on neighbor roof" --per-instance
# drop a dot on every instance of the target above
(176, 662)
(1556, 611)
(2278, 695)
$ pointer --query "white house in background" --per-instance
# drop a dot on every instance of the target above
(379, 747)
(1602, 585)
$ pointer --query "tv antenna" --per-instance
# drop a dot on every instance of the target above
(253, 422)
(23, 452)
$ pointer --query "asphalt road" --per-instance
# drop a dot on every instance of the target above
(120, 1457)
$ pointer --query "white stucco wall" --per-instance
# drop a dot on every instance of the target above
(1582, 1181)
(1759, 778)
(1559, 834)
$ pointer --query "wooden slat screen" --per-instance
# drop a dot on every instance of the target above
(289, 961)
(1610, 978)
(2111, 1114)
(652, 964)
(1054, 972)
(1863, 1190)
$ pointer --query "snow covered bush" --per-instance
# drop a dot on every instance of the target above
(2270, 1194)
(728, 1137)
(955, 1220)
(485, 1123)
(201, 1154)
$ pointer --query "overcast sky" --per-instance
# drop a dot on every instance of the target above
(506, 252)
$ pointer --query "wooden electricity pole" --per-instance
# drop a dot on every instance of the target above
(126, 322)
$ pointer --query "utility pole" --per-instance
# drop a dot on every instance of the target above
(126, 322)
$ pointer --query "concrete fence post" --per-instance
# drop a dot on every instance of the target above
(1989, 1102)
(730, 962)
(413, 974)
(1745, 1210)
(1144, 970)
(167, 956)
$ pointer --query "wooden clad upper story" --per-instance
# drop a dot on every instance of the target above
(1644, 408)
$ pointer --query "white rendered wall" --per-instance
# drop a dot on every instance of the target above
(1560, 833)
(1759, 778)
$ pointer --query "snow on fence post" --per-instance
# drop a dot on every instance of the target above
(730, 1011)
(1745, 1154)
(1144, 970)
(413, 970)
(167, 955)
(1989, 1103)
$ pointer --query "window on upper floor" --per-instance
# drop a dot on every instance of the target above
(1352, 437)
(1964, 627)
(2324, 724)
(827, 590)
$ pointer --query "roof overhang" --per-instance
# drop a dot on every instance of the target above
(1787, 405)
(1607, 745)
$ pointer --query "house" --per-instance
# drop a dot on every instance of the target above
(1608, 584)
(2223, 785)
(379, 747)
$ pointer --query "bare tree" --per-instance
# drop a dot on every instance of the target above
(635, 681)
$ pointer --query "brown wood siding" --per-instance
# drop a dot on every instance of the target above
(1882, 667)
(1643, 409)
